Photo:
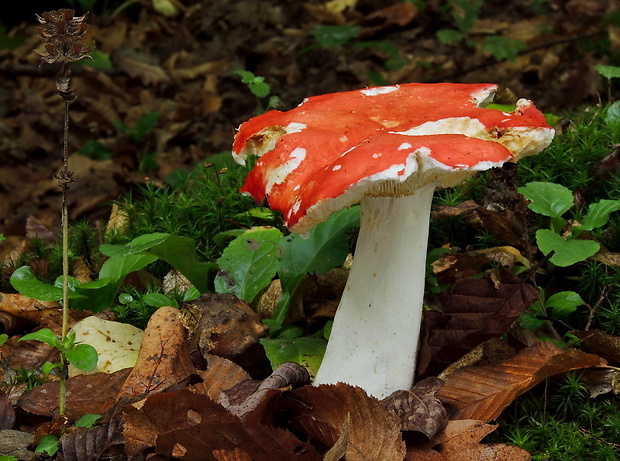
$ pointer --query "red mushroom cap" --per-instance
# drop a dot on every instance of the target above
(333, 149)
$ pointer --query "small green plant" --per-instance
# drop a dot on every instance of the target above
(608, 72)
(465, 13)
(259, 88)
(553, 200)
(63, 36)
(332, 36)
(82, 356)
(558, 307)
(49, 443)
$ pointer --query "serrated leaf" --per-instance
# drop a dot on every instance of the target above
(250, 262)
(548, 199)
(567, 252)
(483, 391)
(564, 303)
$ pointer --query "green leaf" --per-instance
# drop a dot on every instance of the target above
(330, 36)
(24, 281)
(83, 357)
(48, 367)
(190, 294)
(117, 268)
(97, 295)
(307, 351)
(95, 150)
(547, 198)
(8, 458)
(503, 48)
(529, 321)
(249, 263)
(137, 245)
(325, 248)
(179, 252)
(598, 214)
(247, 77)
(87, 420)
(612, 114)
(100, 60)
(2, 238)
(145, 125)
(159, 300)
(44, 335)
(567, 252)
(47, 444)
(3, 338)
(447, 36)
(563, 303)
(608, 71)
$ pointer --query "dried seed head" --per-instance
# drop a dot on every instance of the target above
(63, 35)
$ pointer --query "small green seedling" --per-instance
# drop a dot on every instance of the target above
(557, 307)
(608, 72)
(260, 89)
(553, 200)
(333, 36)
(48, 444)
(465, 13)
(82, 356)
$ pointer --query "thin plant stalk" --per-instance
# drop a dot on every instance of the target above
(63, 37)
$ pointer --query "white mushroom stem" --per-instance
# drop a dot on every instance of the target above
(374, 339)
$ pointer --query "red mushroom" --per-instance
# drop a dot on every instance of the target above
(387, 148)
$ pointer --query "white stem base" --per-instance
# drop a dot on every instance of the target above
(374, 339)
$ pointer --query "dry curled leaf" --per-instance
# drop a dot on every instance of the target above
(482, 392)
(287, 374)
(418, 409)
(84, 444)
(321, 413)
(460, 441)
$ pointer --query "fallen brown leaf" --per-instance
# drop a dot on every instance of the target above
(600, 343)
(474, 311)
(460, 441)
(221, 374)
(86, 394)
(163, 359)
(418, 409)
(482, 392)
(81, 444)
(321, 413)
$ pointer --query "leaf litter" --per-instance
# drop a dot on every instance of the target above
(169, 403)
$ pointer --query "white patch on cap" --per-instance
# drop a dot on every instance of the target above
(404, 146)
(279, 173)
(377, 155)
(294, 127)
(336, 167)
(379, 90)
(471, 127)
